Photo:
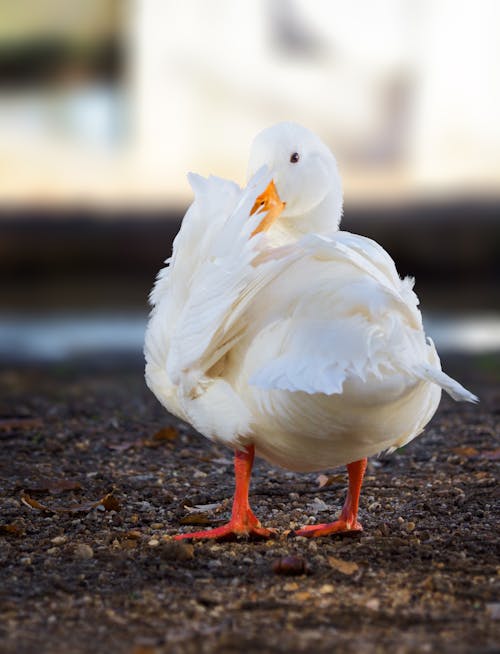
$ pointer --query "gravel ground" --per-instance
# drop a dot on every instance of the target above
(95, 477)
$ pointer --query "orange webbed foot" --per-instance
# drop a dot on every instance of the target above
(234, 529)
(326, 529)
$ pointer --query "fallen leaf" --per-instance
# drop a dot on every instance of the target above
(32, 503)
(345, 567)
(11, 530)
(109, 502)
(166, 434)
(7, 424)
(197, 519)
(122, 447)
(203, 508)
(318, 506)
(465, 451)
(328, 480)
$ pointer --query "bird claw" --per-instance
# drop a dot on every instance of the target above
(230, 532)
(326, 529)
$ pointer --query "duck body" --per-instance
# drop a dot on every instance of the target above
(303, 345)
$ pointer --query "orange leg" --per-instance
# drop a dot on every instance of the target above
(243, 520)
(348, 520)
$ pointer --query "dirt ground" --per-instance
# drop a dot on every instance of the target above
(94, 477)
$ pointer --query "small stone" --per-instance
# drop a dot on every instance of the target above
(291, 587)
(302, 596)
(374, 506)
(493, 610)
(58, 540)
(157, 525)
(410, 526)
(290, 565)
(345, 567)
(326, 589)
(52, 550)
(83, 551)
(172, 550)
(154, 542)
(373, 604)
(400, 520)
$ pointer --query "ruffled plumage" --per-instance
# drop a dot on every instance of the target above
(311, 349)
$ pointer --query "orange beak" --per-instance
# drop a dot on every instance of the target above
(269, 203)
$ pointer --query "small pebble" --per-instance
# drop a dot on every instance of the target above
(345, 567)
(493, 610)
(172, 550)
(154, 542)
(58, 540)
(290, 565)
(291, 587)
(373, 604)
(83, 551)
(410, 526)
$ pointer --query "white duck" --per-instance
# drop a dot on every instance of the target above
(275, 333)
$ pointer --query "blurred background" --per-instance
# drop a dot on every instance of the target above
(105, 105)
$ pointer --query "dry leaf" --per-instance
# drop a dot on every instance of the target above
(32, 503)
(166, 434)
(109, 502)
(465, 451)
(205, 508)
(345, 567)
(197, 519)
(11, 530)
(7, 424)
(328, 480)
(122, 447)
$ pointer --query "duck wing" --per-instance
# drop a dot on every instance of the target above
(347, 321)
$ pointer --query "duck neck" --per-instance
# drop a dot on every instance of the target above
(324, 218)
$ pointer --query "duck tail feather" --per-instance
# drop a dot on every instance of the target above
(451, 386)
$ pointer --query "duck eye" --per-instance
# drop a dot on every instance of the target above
(294, 157)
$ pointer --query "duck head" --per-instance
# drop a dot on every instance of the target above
(305, 192)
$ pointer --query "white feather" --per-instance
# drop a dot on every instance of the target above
(307, 344)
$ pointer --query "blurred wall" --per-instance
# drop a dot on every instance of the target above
(108, 103)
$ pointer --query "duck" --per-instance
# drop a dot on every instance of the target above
(279, 335)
